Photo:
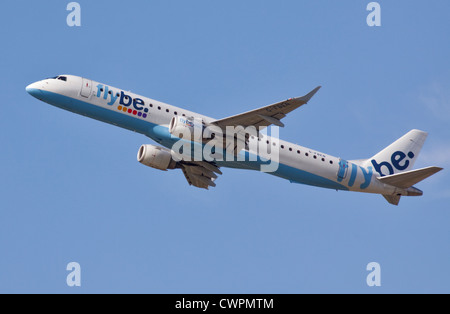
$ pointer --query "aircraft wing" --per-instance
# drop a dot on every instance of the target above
(201, 174)
(266, 116)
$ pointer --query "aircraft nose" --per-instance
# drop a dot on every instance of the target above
(35, 91)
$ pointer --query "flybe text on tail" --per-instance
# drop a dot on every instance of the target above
(399, 161)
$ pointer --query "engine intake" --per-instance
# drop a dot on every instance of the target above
(156, 157)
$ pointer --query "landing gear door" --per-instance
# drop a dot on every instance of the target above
(86, 88)
(343, 169)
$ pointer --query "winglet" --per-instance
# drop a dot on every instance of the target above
(307, 97)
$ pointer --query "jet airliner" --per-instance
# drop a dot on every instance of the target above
(389, 172)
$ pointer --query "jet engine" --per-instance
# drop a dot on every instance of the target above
(188, 128)
(156, 157)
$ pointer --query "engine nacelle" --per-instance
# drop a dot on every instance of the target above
(156, 157)
(187, 128)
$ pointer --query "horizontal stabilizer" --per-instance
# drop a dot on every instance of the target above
(407, 179)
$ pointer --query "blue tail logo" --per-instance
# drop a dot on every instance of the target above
(399, 161)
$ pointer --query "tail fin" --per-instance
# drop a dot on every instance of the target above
(400, 156)
(394, 165)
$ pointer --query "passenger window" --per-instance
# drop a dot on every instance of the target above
(290, 149)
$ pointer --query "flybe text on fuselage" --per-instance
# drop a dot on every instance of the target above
(124, 100)
(364, 181)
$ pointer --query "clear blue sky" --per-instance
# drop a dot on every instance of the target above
(71, 189)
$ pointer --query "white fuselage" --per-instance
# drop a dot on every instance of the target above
(151, 118)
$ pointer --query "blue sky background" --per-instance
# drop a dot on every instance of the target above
(71, 189)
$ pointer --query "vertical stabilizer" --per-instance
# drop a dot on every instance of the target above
(400, 156)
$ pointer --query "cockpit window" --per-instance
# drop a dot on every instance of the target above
(60, 77)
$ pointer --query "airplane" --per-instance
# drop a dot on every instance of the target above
(388, 172)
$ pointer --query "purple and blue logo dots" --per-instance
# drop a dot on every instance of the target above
(127, 104)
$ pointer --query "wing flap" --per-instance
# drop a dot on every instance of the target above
(200, 175)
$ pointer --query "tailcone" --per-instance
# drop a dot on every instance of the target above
(412, 191)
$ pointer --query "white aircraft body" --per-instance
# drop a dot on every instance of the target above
(388, 173)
